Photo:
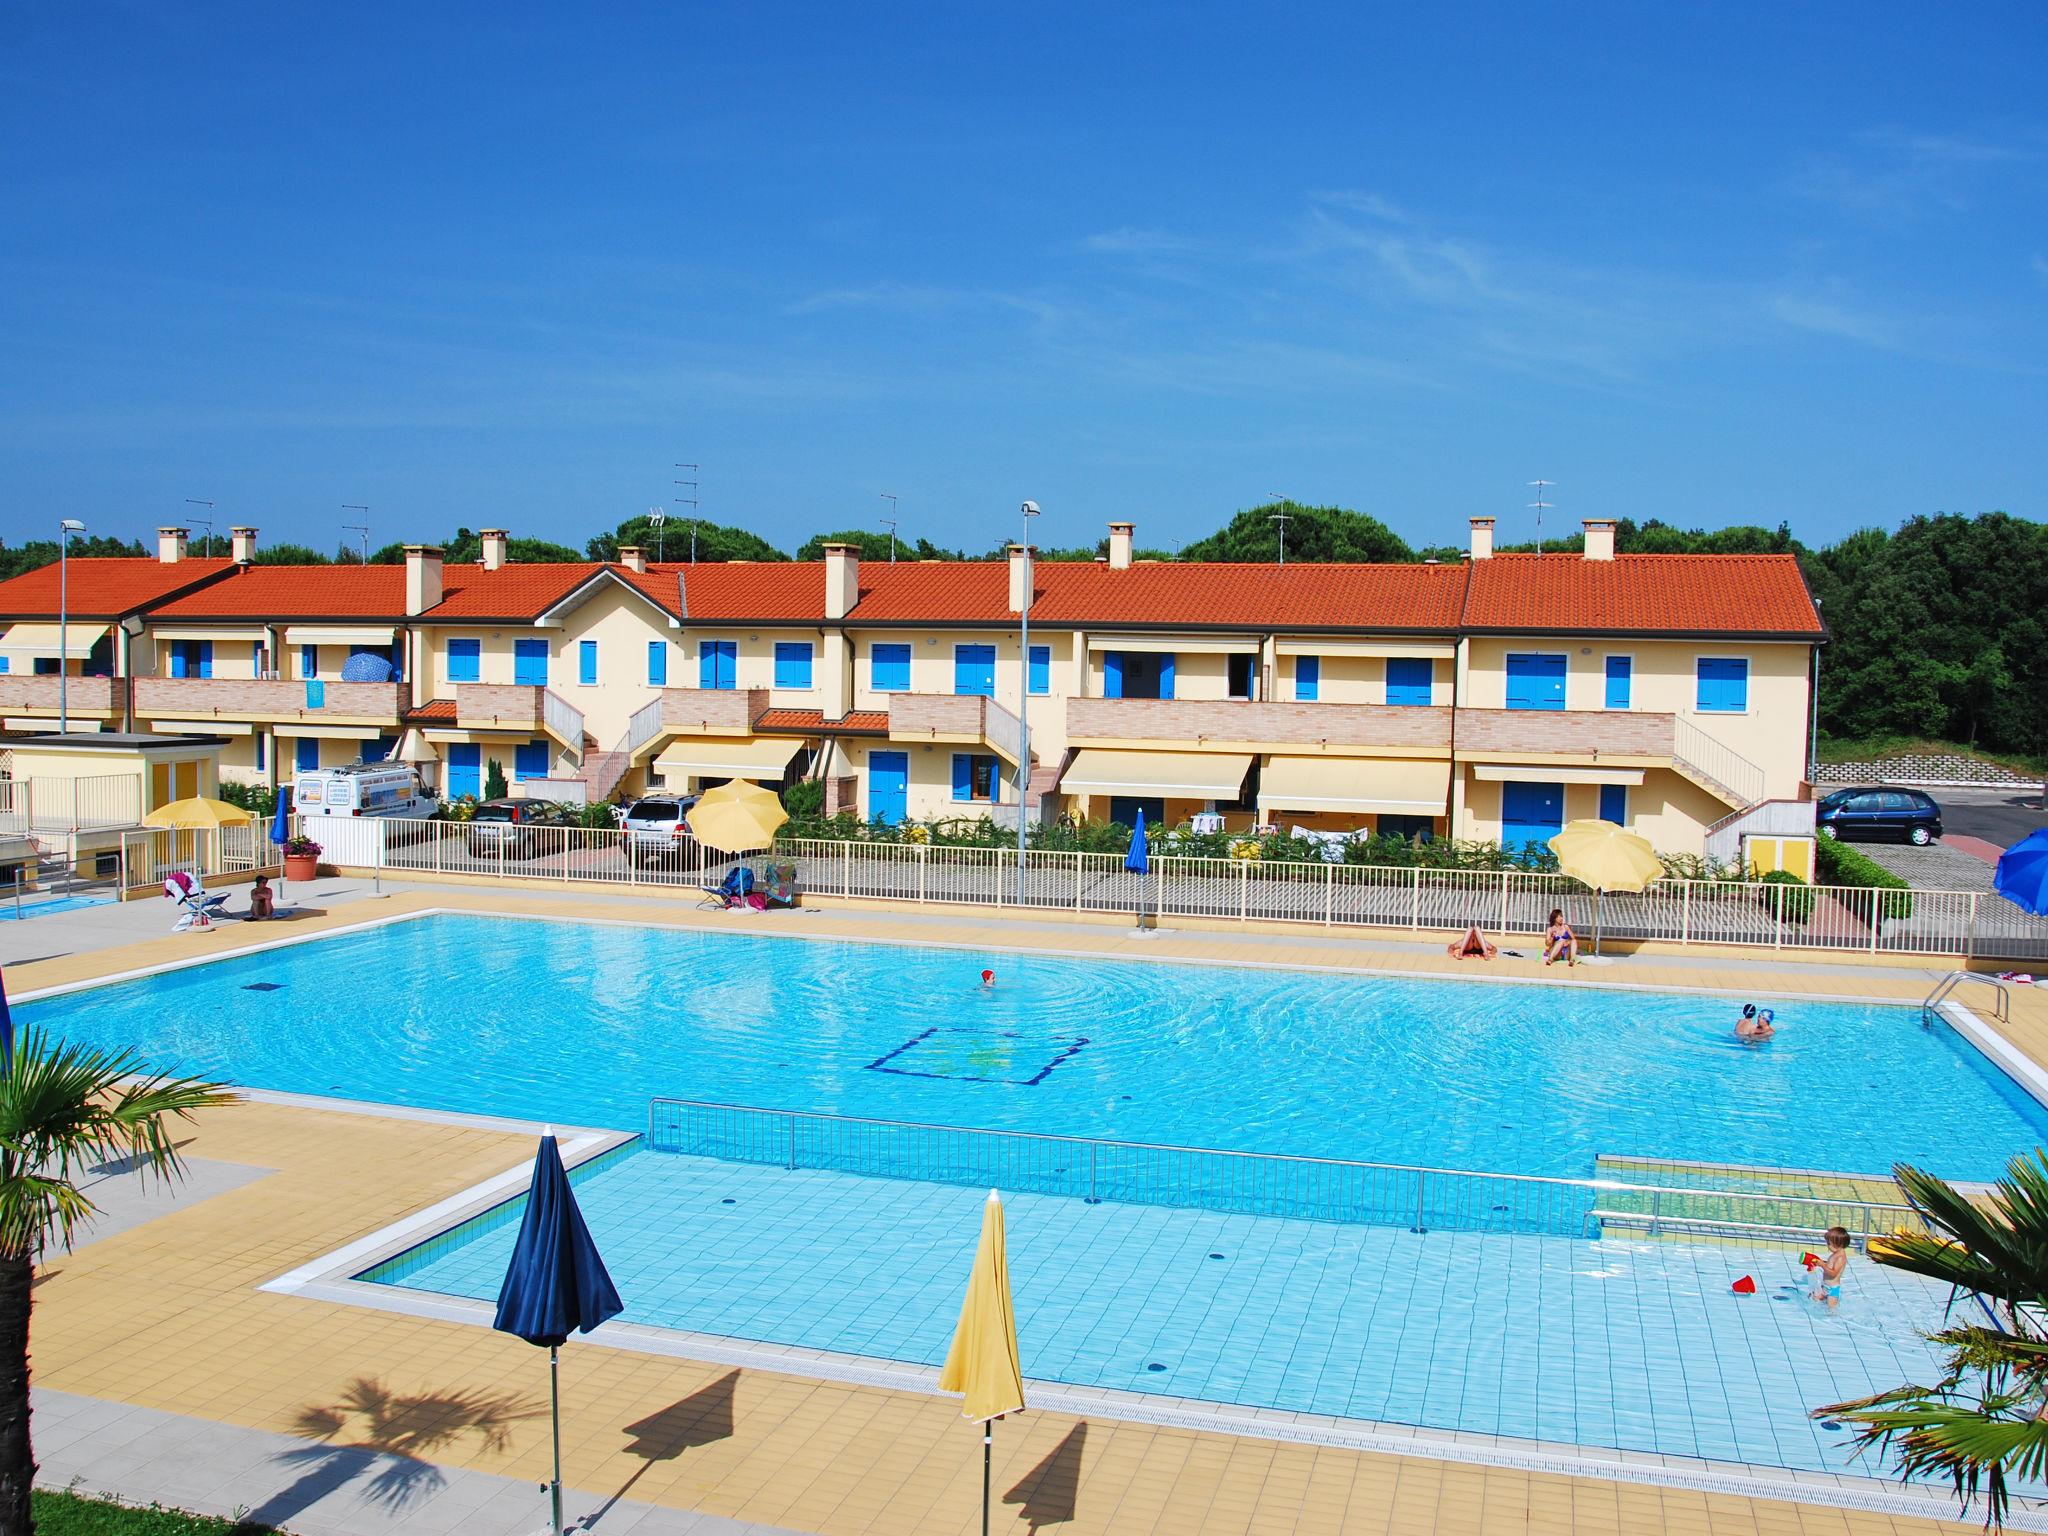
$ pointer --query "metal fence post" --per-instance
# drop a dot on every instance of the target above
(1329, 895)
(846, 869)
(1778, 933)
(1244, 890)
(1415, 898)
(1970, 932)
(1685, 913)
(792, 1141)
(1077, 881)
(1421, 1185)
(1505, 877)
(1093, 1198)
(923, 865)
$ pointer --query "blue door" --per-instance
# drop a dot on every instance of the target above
(1535, 682)
(888, 786)
(465, 769)
(530, 662)
(1530, 813)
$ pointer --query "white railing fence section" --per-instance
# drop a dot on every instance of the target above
(1718, 761)
(68, 805)
(564, 721)
(149, 854)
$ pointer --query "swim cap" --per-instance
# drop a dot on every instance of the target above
(1749, 1010)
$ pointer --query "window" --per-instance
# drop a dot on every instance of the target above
(308, 757)
(586, 663)
(379, 750)
(1723, 687)
(717, 663)
(262, 756)
(1041, 670)
(465, 661)
(657, 663)
(1535, 682)
(1620, 674)
(889, 669)
(189, 658)
(309, 660)
(974, 669)
(1308, 678)
(46, 666)
(792, 663)
(974, 776)
(1614, 804)
(1410, 827)
(1409, 680)
(6, 663)
(1243, 676)
(530, 760)
(530, 663)
(1137, 675)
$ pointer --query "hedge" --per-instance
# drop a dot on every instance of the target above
(72, 1514)
(1792, 904)
(1839, 864)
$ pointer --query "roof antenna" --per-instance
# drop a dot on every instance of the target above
(363, 527)
(1280, 517)
(689, 501)
(889, 522)
(1541, 507)
(205, 522)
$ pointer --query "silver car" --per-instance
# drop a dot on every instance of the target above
(654, 829)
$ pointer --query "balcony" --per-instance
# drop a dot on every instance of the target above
(1623, 738)
(269, 701)
(1245, 725)
(966, 718)
(695, 712)
(94, 698)
(518, 708)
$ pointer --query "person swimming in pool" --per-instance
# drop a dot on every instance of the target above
(1755, 1023)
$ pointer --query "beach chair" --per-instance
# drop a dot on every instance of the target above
(735, 890)
(196, 908)
(778, 885)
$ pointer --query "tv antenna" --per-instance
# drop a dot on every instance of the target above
(659, 519)
(690, 501)
(1281, 517)
(1541, 507)
(889, 522)
(363, 527)
(205, 522)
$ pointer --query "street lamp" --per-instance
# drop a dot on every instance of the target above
(68, 527)
(1024, 696)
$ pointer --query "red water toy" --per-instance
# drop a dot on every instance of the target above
(1746, 1286)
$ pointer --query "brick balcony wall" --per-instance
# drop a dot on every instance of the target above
(969, 715)
(505, 704)
(1264, 721)
(713, 711)
(241, 698)
(1582, 733)
(87, 695)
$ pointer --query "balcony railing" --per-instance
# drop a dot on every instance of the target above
(1259, 724)
(695, 712)
(518, 707)
(969, 717)
(50, 805)
(279, 699)
(32, 694)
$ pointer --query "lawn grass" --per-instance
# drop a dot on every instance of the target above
(71, 1514)
(1841, 749)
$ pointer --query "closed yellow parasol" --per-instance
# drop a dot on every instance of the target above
(1606, 857)
(198, 814)
(982, 1364)
(739, 817)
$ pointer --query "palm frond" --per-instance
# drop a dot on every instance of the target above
(1981, 1447)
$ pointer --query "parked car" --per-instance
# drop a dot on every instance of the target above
(515, 829)
(1875, 813)
(654, 829)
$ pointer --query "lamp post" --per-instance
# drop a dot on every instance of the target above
(1024, 696)
(68, 527)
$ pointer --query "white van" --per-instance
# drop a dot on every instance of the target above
(362, 789)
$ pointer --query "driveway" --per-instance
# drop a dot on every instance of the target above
(2000, 816)
(1936, 867)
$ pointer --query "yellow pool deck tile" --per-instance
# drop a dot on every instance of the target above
(168, 1315)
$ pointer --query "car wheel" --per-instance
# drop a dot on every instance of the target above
(1827, 830)
(1921, 837)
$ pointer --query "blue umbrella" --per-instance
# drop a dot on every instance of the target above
(281, 823)
(2022, 874)
(6, 1030)
(556, 1284)
(1138, 862)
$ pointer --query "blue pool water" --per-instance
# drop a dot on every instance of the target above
(582, 1023)
(50, 904)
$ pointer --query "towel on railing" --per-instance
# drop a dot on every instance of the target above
(316, 694)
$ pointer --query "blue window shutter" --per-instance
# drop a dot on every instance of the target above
(707, 664)
(530, 663)
(309, 661)
(6, 663)
(1041, 669)
(262, 759)
(889, 669)
(974, 669)
(1308, 677)
(963, 776)
(1535, 682)
(530, 760)
(308, 757)
(586, 662)
(1723, 686)
(1619, 679)
(1166, 676)
(1409, 680)
(1112, 674)
(180, 662)
(464, 661)
(792, 664)
(1614, 804)
(657, 663)
(206, 658)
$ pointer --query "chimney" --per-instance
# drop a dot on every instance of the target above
(494, 540)
(244, 540)
(1020, 576)
(170, 545)
(422, 578)
(633, 557)
(1120, 545)
(842, 579)
(1599, 538)
(1482, 538)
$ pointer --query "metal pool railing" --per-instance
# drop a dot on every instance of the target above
(1246, 1183)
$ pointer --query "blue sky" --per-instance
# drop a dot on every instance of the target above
(482, 265)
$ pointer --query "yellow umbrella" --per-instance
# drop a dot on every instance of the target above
(982, 1364)
(737, 817)
(198, 815)
(1604, 856)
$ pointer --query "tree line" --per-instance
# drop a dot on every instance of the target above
(1936, 630)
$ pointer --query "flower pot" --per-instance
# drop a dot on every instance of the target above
(301, 866)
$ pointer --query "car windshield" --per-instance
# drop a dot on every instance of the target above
(655, 810)
(494, 813)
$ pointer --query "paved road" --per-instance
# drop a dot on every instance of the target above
(2000, 816)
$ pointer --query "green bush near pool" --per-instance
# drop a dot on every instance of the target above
(1842, 865)
(71, 1514)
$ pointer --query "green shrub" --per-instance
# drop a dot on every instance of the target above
(805, 799)
(495, 787)
(1794, 904)
(71, 1514)
(259, 800)
(1839, 864)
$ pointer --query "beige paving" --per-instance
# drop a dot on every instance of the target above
(167, 1315)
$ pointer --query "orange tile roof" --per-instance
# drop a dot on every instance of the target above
(853, 722)
(263, 592)
(104, 589)
(510, 592)
(784, 590)
(433, 710)
(1763, 595)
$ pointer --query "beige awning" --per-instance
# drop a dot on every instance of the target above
(1179, 775)
(1388, 785)
(749, 757)
(340, 634)
(1551, 773)
(42, 639)
(1234, 645)
(247, 634)
(1330, 645)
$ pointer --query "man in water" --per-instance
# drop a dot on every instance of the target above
(1754, 1024)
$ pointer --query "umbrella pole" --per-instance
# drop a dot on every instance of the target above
(1599, 900)
(555, 1407)
(987, 1457)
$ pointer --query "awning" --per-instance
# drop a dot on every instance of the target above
(42, 639)
(1235, 646)
(752, 757)
(340, 634)
(247, 634)
(1388, 785)
(1546, 773)
(1179, 775)
(1330, 645)
(202, 728)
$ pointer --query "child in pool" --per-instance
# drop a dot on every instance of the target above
(1755, 1025)
(1827, 1274)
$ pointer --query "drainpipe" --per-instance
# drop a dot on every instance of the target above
(1457, 802)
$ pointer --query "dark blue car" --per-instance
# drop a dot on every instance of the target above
(1874, 813)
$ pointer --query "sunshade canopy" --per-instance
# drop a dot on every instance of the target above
(1388, 785)
(1183, 775)
(340, 634)
(413, 747)
(1508, 773)
(198, 814)
(1602, 855)
(982, 1365)
(556, 1284)
(43, 639)
(736, 818)
(2022, 874)
(748, 757)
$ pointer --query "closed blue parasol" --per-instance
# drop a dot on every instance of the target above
(281, 823)
(6, 1030)
(1139, 862)
(556, 1284)
(2022, 875)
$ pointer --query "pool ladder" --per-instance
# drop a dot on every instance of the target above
(2001, 1007)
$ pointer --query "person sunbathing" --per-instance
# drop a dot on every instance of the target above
(1559, 942)
(1472, 945)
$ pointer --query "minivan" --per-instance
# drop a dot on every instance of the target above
(1873, 813)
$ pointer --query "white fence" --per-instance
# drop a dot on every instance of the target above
(151, 853)
(1966, 923)
(69, 805)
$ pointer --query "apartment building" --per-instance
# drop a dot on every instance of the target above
(1496, 697)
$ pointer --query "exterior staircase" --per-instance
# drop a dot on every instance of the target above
(602, 771)
(1045, 778)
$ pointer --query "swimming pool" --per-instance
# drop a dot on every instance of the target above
(584, 1023)
(44, 906)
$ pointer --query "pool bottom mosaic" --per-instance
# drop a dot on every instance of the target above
(1631, 1345)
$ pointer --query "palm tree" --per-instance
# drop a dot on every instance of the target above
(1985, 1423)
(64, 1108)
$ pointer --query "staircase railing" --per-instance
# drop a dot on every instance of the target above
(564, 721)
(643, 727)
(1703, 756)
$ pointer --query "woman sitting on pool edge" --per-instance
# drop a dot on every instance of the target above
(1473, 944)
(1559, 941)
